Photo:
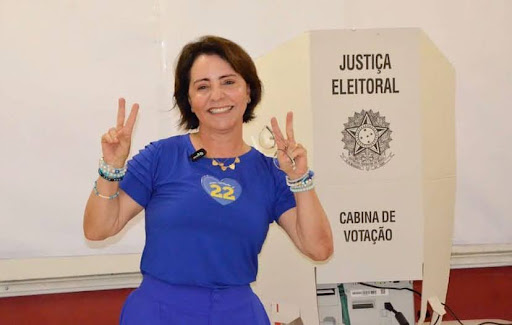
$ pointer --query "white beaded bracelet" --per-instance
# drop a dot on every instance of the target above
(302, 189)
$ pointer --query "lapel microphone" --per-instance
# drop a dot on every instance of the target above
(198, 155)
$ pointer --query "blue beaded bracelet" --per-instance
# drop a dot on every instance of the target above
(95, 189)
(111, 173)
(109, 178)
(308, 175)
(301, 184)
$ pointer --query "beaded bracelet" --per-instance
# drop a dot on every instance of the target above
(301, 184)
(95, 189)
(109, 178)
(111, 173)
(308, 175)
(302, 189)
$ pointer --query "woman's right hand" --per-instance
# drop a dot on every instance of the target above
(115, 144)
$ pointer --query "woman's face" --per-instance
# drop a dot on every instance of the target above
(217, 94)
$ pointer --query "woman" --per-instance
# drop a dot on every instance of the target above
(208, 196)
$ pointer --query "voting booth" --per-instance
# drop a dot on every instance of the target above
(375, 109)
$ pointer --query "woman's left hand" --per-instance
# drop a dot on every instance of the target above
(292, 156)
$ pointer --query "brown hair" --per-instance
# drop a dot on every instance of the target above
(229, 51)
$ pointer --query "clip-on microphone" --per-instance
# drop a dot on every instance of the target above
(198, 155)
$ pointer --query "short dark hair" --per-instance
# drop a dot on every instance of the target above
(229, 51)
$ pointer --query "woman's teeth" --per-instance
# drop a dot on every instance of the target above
(220, 109)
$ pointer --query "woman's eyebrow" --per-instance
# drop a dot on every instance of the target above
(199, 80)
(221, 77)
(227, 75)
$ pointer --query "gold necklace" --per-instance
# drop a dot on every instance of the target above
(222, 164)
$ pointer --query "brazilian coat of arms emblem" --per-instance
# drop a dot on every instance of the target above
(366, 138)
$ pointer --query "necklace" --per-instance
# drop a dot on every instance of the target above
(222, 165)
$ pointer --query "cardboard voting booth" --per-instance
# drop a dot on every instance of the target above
(375, 109)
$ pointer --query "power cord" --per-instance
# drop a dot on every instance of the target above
(419, 294)
(379, 287)
(398, 315)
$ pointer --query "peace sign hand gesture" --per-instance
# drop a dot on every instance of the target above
(292, 156)
(116, 143)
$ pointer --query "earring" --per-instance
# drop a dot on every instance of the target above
(249, 100)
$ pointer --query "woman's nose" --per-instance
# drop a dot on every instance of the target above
(217, 93)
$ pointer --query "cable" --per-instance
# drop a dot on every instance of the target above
(419, 294)
(437, 319)
(379, 287)
(400, 318)
(344, 305)
(460, 322)
(452, 313)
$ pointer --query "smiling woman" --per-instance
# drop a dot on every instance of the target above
(198, 262)
(218, 95)
(238, 60)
